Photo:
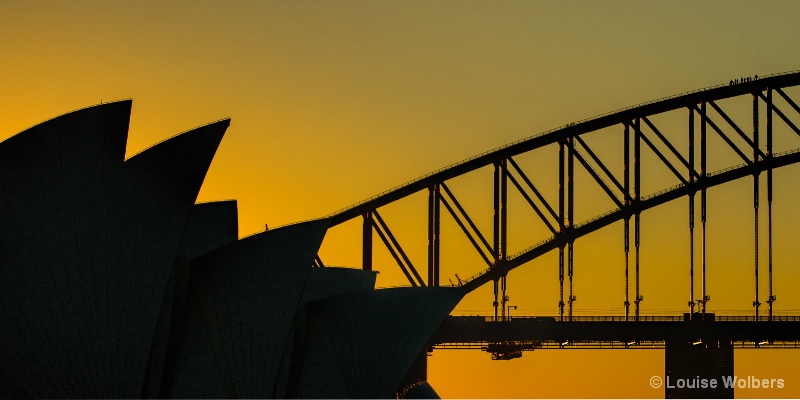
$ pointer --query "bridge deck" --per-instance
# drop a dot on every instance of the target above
(527, 333)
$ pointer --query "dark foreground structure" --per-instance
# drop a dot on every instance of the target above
(115, 284)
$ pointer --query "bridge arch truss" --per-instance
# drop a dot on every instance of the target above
(705, 118)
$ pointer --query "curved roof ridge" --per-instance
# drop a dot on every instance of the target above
(228, 120)
(68, 113)
(214, 201)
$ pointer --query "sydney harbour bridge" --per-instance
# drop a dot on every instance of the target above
(699, 342)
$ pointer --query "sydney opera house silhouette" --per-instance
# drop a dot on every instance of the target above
(115, 284)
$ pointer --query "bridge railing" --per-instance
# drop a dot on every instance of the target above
(644, 318)
(643, 344)
(462, 282)
(781, 318)
(594, 318)
(786, 153)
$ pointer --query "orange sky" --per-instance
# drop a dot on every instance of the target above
(333, 102)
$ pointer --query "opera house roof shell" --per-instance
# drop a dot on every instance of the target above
(114, 283)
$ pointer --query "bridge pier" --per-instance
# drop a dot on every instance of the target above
(689, 366)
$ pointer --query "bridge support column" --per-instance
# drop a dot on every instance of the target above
(562, 227)
(693, 362)
(500, 231)
(570, 272)
(627, 302)
(692, 299)
(570, 218)
(433, 235)
(366, 244)
(703, 175)
(627, 176)
(561, 283)
(771, 298)
(756, 194)
(503, 230)
(637, 193)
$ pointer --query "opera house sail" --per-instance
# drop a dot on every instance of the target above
(114, 283)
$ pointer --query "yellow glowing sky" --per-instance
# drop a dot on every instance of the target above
(332, 102)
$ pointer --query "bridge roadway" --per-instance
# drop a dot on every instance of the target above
(527, 333)
(698, 347)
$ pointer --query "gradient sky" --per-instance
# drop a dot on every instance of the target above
(333, 102)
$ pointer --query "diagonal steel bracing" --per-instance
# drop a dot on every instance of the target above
(533, 188)
(625, 192)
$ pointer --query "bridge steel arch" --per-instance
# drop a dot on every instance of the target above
(630, 202)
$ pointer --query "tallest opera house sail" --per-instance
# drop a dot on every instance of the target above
(89, 240)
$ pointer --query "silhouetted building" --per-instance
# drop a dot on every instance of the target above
(114, 283)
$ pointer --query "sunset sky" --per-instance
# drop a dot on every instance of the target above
(333, 102)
